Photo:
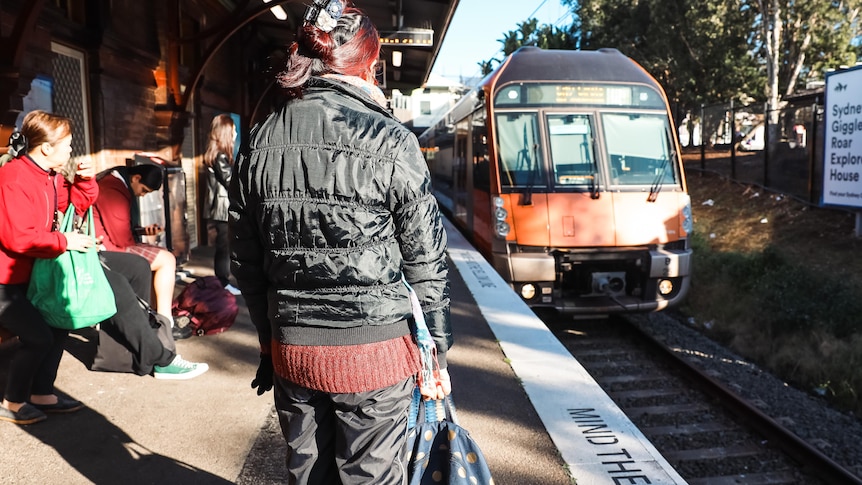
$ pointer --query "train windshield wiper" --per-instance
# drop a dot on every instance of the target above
(659, 179)
(531, 182)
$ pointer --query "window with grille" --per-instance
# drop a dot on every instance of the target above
(70, 95)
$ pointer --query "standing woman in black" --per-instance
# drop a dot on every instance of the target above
(219, 163)
(331, 212)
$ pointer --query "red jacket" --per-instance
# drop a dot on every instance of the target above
(113, 213)
(27, 205)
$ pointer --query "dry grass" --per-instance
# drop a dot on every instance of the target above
(781, 283)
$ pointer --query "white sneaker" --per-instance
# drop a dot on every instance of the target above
(179, 369)
(232, 289)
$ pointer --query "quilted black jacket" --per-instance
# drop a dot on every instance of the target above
(218, 179)
(330, 205)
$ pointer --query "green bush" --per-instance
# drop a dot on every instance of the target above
(802, 325)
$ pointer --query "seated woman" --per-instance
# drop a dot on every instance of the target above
(113, 214)
(130, 277)
(30, 195)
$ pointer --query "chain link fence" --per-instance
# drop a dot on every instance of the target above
(780, 149)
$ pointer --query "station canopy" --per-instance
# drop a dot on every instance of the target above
(411, 33)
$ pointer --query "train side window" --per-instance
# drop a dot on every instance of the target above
(481, 170)
(638, 148)
(520, 155)
(572, 150)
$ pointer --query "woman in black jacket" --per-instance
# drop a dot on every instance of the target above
(219, 162)
(330, 208)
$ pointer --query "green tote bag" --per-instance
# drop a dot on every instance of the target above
(71, 290)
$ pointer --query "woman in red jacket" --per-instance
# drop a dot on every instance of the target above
(31, 191)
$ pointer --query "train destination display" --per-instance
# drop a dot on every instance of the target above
(593, 94)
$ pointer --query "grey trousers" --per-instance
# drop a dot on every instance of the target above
(346, 439)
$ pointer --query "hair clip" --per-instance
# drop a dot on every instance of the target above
(324, 14)
(17, 144)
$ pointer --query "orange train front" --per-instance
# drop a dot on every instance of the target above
(563, 168)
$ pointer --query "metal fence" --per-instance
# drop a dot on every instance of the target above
(781, 150)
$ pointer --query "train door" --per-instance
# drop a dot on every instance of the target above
(579, 214)
(482, 218)
(523, 176)
(461, 186)
(443, 166)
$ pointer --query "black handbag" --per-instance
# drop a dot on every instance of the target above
(113, 353)
(441, 451)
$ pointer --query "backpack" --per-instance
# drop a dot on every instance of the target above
(206, 306)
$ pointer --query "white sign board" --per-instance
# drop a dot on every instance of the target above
(842, 141)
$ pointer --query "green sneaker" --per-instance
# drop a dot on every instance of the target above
(179, 369)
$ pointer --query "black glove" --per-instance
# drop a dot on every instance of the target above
(263, 379)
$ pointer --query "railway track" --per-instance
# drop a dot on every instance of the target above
(710, 435)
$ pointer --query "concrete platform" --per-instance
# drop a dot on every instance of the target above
(140, 430)
(215, 429)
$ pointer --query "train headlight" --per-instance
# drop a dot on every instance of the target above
(502, 229)
(665, 287)
(500, 215)
(528, 291)
(687, 219)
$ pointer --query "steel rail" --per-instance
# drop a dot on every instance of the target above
(813, 461)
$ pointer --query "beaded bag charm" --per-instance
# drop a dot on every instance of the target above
(324, 14)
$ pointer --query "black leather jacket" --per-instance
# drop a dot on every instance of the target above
(218, 180)
(330, 205)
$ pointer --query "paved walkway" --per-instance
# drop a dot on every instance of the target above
(215, 429)
(140, 430)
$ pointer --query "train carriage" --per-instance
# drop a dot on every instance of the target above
(563, 168)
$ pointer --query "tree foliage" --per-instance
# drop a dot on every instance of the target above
(799, 41)
(706, 51)
(697, 49)
(530, 33)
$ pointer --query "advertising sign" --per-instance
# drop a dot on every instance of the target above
(842, 141)
(39, 97)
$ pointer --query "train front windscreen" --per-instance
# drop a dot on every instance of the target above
(634, 140)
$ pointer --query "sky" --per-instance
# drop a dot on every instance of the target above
(475, 29)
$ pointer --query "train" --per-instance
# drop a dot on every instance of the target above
(564, 169)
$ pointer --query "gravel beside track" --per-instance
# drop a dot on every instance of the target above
(835, 433)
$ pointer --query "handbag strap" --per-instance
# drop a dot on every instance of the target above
(55, 215)
(429, 411)
(91, 228)
(68, 224)
(427, 348)
(68, 219)
(86, 223)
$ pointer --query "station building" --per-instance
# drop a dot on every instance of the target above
(146, 77)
